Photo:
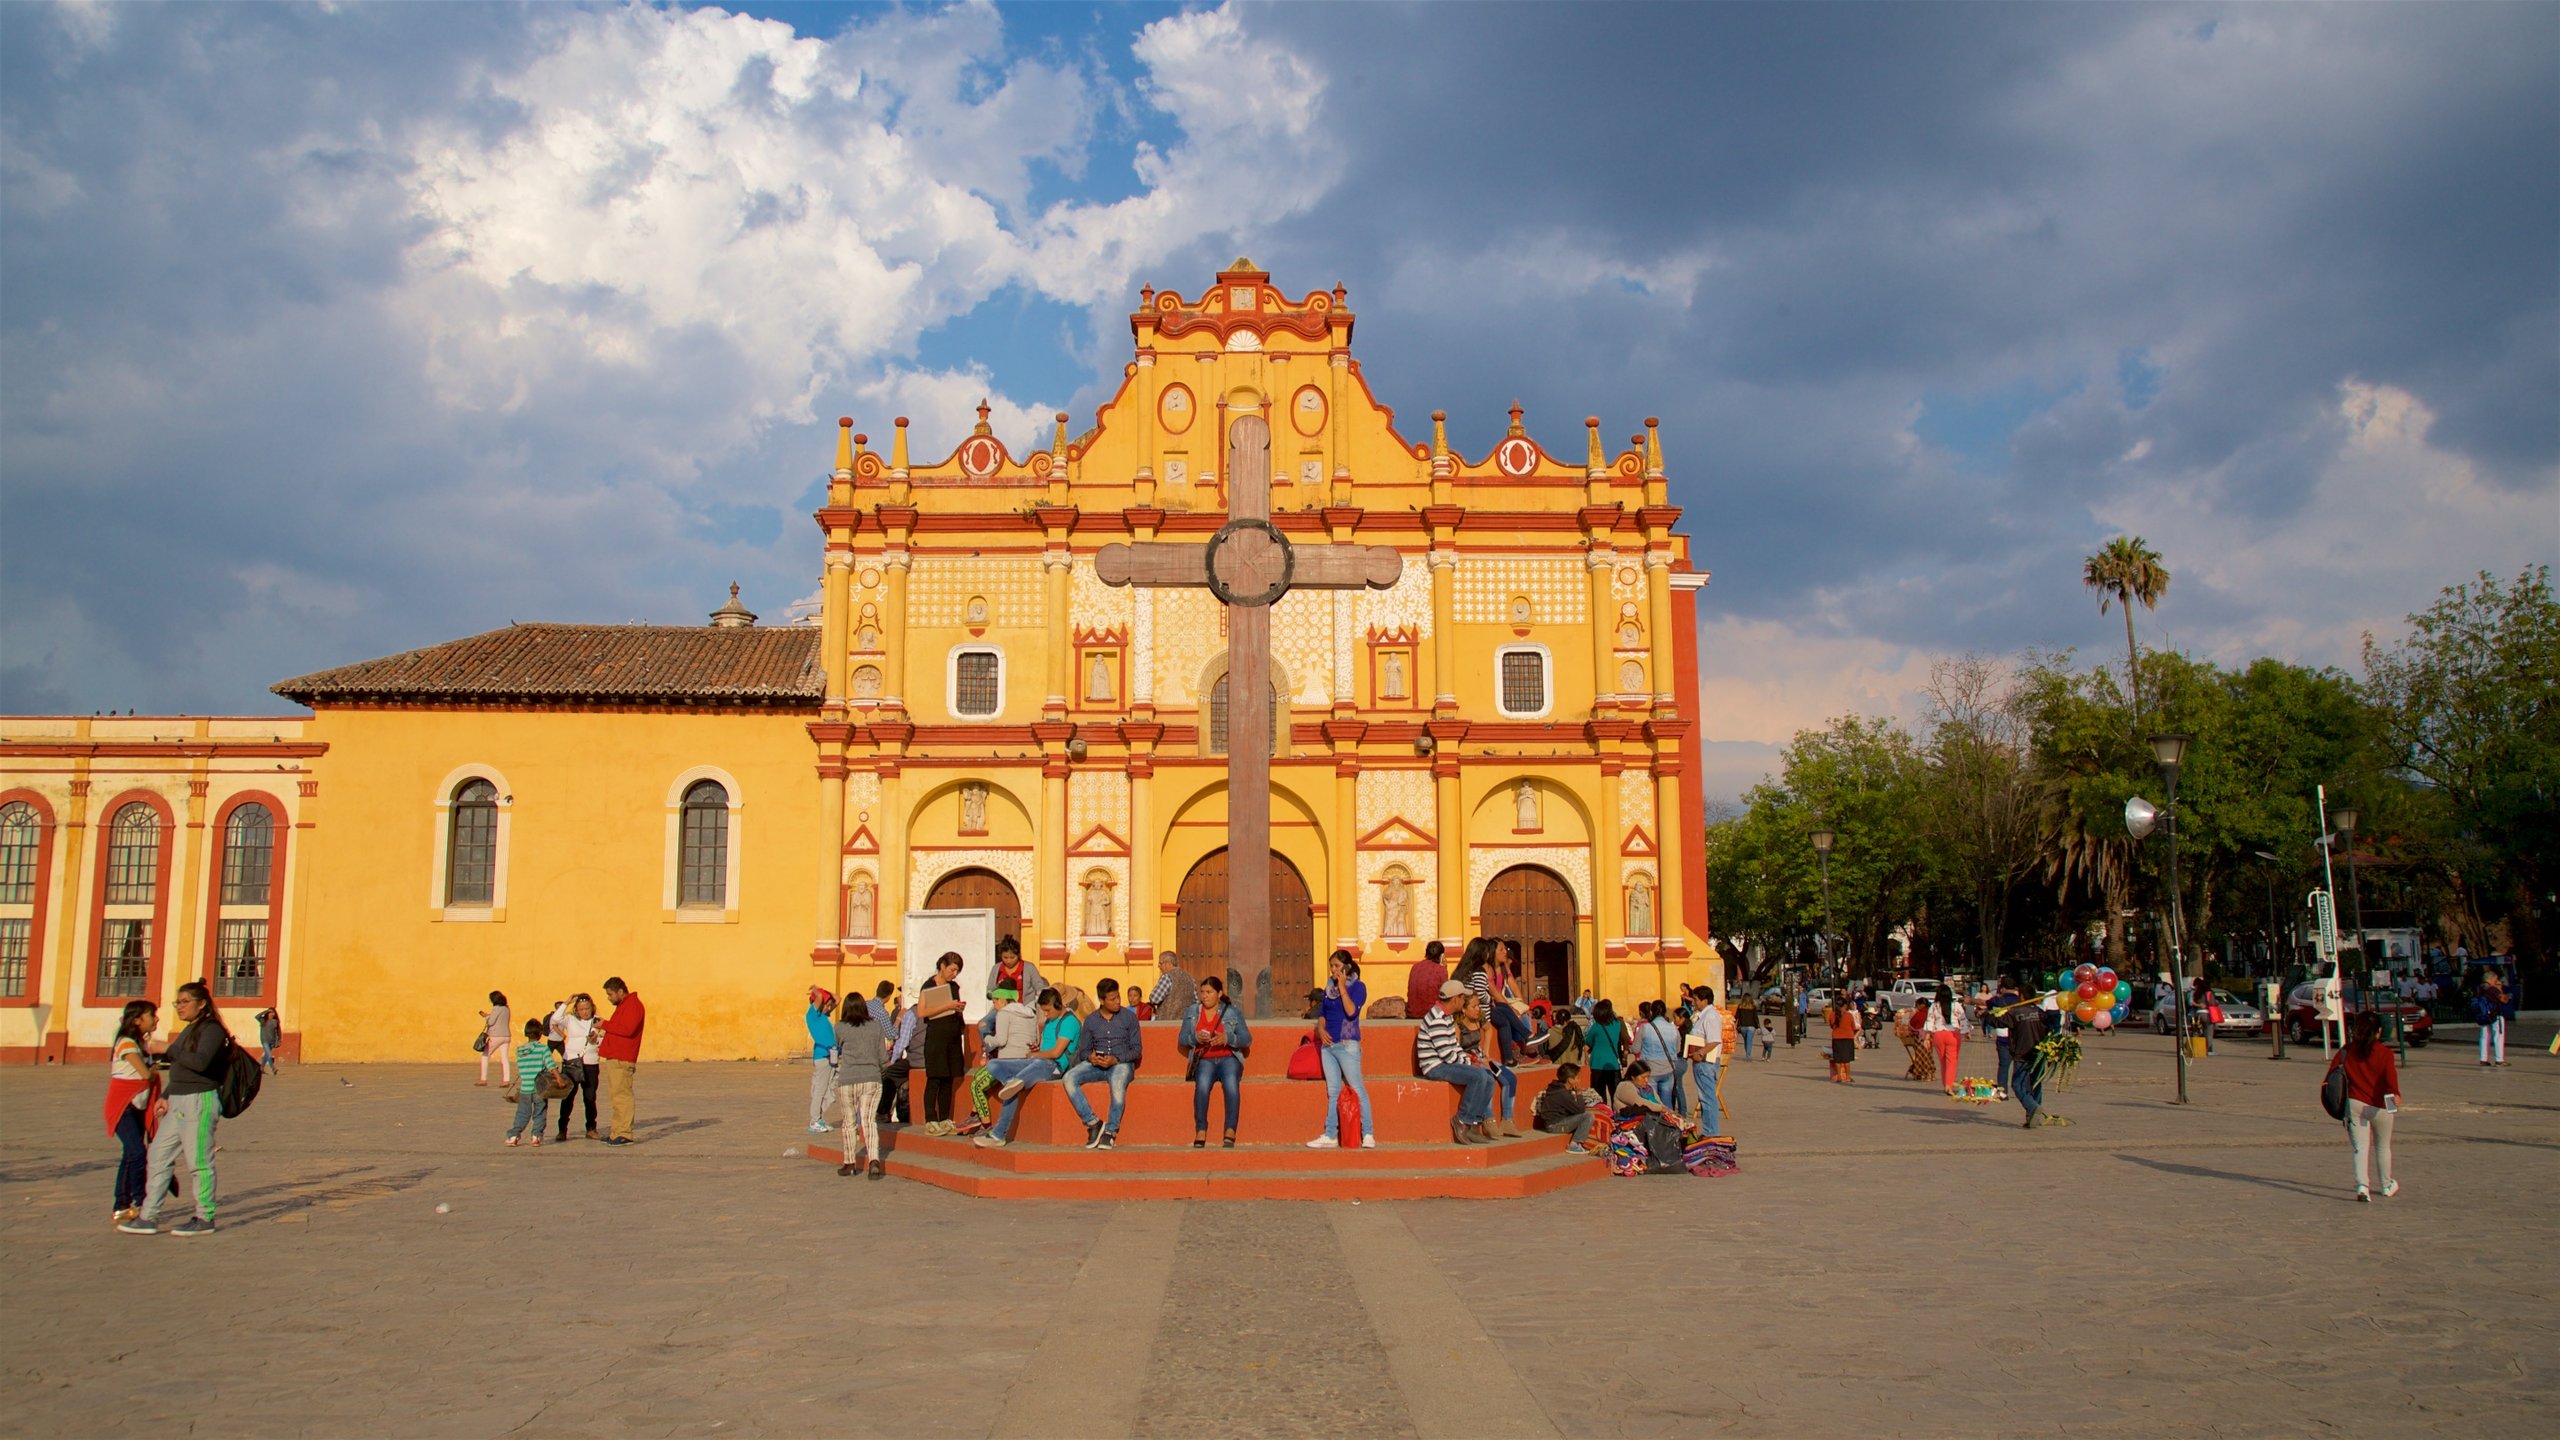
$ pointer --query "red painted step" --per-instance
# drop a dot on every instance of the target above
(1319, 1181)
(1273, 1110)
(1076, 1160)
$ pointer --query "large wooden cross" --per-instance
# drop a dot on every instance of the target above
(1249, 565)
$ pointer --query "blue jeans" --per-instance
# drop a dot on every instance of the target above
(529, 1110)
(1508, 1080)
(2000, 1044)
(1117, 1076)
(1475, 1091)
(1512, 1027)
(1030, 1073)
(1703, 1075)
(1666, 1084)
(2027, 1083)
(1342, 1066)
(1224, 1070)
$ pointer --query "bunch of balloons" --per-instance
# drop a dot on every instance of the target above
(2096, 997)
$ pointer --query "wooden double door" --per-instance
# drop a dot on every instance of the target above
(1200, 935)
(1534, 907)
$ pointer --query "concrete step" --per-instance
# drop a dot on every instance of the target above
(1024, 1158)
(1535, 1176)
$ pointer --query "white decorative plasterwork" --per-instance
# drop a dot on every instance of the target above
(1405, 605)
(939, 591)
(1092, 605)
(1302, 643)
(1384, 795)
(1142, 646)
(1187, 634)
(1573, 862)
(1342, 648)
(1425, 870)
(1097, 797)
(1554, 584)
(861, 798)
(1626, 584)
(1635, 803)
(927, 866)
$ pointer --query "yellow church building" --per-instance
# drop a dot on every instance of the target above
(1498, 743)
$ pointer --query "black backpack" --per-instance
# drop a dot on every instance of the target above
(241, 1074)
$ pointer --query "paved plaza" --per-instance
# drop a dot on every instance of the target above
(1885, 1263)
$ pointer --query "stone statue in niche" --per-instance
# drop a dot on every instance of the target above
(1396, 900)
(1525, 801)
(1630, 678)
(1097, 905)
(1097, 680)
(973, 808)
(977, 609)
(1391, 675)
(867, 638)
(866, 681)
(1629, 635)
(859, 907)
(1640, 905)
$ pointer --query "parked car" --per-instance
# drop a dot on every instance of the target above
(2302, 1015)
(1902, 994)
(2239, 1017)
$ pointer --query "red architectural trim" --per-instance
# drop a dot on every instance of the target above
(103, 851)
(282, 830)
(42, 908)
(167, 749)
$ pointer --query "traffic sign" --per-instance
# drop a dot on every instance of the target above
(2325, 917)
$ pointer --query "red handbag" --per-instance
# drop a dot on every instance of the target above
(1307, 1061)
(1347, 1121)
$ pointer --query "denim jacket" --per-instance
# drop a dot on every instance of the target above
(1239, 1037)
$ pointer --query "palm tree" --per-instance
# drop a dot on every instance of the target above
(2124, 571)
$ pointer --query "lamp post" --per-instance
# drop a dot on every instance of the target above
(1822, 843)
(2345, 815)
(2171, 752)
(2275, 966)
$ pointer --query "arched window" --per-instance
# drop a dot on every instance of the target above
(703, 878)
(133, 855)
(21, 863)
(248, 855)
(471, 851)
(1218, 718)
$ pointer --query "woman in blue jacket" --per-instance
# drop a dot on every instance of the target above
(1216, 1038)
(822, 1056)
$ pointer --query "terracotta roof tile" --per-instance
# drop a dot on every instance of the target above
(612, 664)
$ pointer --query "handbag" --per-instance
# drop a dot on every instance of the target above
(2333, 1092)
(480, 1043)
(1306, 1062)
(555, 1085)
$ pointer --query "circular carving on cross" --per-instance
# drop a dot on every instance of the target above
(1250, 563)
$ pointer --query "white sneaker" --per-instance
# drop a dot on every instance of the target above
(990, 1141)
(1368, 1142)
(2363, 1196)
(1012, 1088)
(1324, 1142)
(2390, 1188)
(821, 1129)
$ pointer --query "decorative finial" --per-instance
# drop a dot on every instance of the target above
(1515, 420)
(844, 442)
(1146, 294)
(1339, 294)
(1439, 432)
(1652, 445)
(1059, 447)
(982, 419)
(1598, 461)
(732, 616)
(898, 446)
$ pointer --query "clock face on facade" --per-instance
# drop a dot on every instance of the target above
(1515, 457)
(1307, 411)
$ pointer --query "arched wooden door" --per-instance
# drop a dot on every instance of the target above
(979, 890)
(1200, 932)
(1533, 906)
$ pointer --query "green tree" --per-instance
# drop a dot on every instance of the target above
(2470, 707)
(1979, 801)
(2124, 570)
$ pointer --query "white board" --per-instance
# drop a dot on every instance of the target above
(930, 934)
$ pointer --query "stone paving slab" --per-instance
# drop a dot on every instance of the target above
(1885, 1263)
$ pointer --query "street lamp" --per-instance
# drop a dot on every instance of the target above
(2275, 966)
(2345, 815)
(1822, 843)
(2171, 752)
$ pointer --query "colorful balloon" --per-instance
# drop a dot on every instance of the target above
(2124, 992)
(2088, 991)
(2106, 978)
(2104, 1020)
(2084, 972)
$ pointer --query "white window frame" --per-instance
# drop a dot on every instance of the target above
(672, 881)
(1546, 677)
(442, 818)
(951, 680)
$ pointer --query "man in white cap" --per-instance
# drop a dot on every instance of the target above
(1444, 1060)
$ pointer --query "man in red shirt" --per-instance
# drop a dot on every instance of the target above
(1422, 982)
(620, 1052)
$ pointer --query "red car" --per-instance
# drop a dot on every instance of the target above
(2302, 1015)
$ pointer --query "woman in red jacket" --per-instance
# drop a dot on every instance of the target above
(2373, 1099)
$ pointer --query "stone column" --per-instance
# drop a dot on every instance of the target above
(1345, 850)
(1444, 630)
(1050, 862)
(893, 625)
(1657, 575)
(1054, 564)
(1144, 848)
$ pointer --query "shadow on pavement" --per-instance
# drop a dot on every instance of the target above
(2317, 1192)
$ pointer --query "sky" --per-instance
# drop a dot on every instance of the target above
(330, 332)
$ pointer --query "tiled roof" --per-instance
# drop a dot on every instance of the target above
(608, 664)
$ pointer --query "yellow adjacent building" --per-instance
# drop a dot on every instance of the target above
(722, 814)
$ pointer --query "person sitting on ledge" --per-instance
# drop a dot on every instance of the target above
(1216, 1038)
(1059, 1034)
(1108, 1051)
(1444, 1059)
(1175, 993)
(1561, 1110)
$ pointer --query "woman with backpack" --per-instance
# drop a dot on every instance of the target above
(1609, 1046)
(187, 1114)
(2491, 1006)
(133, 1102)
(2373, 1100)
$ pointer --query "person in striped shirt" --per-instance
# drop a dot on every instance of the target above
(533, 1060)
(1444, 1059)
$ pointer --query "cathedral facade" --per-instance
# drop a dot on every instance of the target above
(1497, 743)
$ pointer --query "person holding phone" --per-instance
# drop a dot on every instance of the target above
(2373, 1101)
(939, 1007)
(1345, 996)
